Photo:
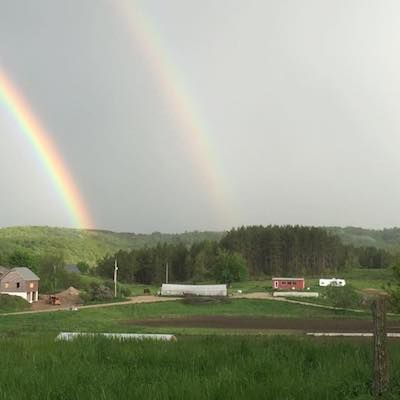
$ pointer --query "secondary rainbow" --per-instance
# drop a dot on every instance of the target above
(195, 132)
(46, 151)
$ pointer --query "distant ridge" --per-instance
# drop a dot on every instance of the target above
(87, 244)
(91, 245)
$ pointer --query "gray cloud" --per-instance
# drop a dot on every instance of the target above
(300, 101)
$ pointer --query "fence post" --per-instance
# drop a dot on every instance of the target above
(381, 372)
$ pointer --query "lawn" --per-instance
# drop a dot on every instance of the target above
(208, 367)
(359, 278)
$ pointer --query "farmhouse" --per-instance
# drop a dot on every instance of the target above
(288, 283)
(22, 282)
(194, 290)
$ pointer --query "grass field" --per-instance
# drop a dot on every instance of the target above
(359, 278)
(112, 319)
(210, 367)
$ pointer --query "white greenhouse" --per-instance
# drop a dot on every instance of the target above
(168, 289)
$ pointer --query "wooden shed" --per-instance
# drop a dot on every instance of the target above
(288, 283)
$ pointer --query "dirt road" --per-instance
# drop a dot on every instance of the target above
(132, 300)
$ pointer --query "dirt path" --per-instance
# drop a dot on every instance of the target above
(268, 296)
(132, 300)
(263, 323)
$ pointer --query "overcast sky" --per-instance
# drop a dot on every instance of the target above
(298, 100)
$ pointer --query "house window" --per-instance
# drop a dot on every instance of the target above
(18, 285)
(6, 285)
(31, 285)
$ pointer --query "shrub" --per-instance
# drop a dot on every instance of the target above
(97, 292)
(343, 297)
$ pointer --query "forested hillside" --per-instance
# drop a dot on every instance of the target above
(257, 251)
(86, 245)
(359, 237)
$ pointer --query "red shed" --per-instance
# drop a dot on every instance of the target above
(288, 283)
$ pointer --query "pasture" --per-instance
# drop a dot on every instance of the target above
(200, 367)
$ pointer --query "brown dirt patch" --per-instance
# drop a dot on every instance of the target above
(261, 323)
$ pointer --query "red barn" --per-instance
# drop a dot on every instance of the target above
(288, 283)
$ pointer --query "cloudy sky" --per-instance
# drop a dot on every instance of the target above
(179, 114)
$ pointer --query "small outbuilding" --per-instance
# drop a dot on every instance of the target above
(168, 289)
(288, 283)
(22, 282)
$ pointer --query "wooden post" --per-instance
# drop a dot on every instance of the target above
(381, 372)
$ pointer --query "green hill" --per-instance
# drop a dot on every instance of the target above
(86, 245)
(91, 245)
(388, 238)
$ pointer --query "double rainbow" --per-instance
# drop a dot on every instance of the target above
(195, 133)
(46, 151)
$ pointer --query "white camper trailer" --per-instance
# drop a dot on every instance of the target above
(332, 282)
(193, 290)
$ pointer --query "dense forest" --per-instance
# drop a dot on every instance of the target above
(264, 251)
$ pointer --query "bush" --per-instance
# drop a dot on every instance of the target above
(343, 297)
(97, 292)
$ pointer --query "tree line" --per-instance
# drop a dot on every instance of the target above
(254, 251)
(264, 251)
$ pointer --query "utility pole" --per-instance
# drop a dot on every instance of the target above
(115, 277)
(166, 273)
(381, 372)
(54, 272)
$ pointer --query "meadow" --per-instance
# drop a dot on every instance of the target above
(112, 319)
(200, 367)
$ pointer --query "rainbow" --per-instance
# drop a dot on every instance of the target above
(46, 152)
(195, 133)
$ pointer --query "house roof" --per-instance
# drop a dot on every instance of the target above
(3, 270)
(72, 268)
(25, 273)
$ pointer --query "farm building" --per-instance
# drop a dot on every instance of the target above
(332, 282)
(288, 283)
(194, 290)
(22, 282)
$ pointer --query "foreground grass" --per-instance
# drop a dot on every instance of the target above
(112, 319)
(208, 367)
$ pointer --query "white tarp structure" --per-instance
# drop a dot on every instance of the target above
(68, 336)
(332, 282)
(168, 289)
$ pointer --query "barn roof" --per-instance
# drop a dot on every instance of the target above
(289, 279)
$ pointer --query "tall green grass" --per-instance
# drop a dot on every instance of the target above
(207, 367)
